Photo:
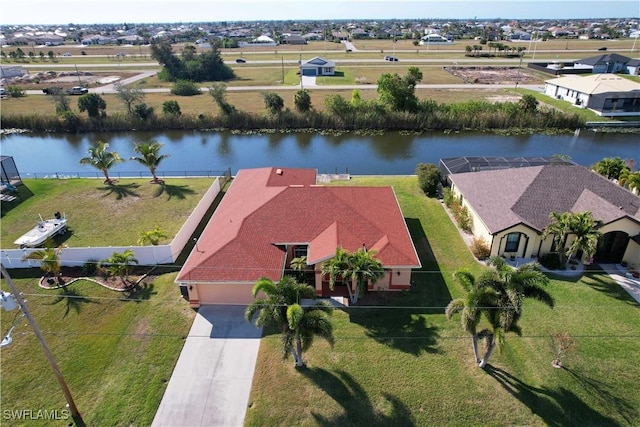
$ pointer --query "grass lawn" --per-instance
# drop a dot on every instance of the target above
(103, 215)
(403, 363)
(116, 351)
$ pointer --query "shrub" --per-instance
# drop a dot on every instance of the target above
(185, 88)
(89, 268)
(552, 261)
(480, 248)
(428, 178)
(463, 218)
(16, 92)
(143, 111)
(448, 197)
(171, 107)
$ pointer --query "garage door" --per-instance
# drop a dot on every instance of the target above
(225, 294)
(309, 72)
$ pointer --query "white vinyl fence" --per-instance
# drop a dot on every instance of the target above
(146, 255)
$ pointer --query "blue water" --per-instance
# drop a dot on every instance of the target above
(391, 153)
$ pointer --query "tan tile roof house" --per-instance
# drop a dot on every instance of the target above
(270, 215)
(510, 208)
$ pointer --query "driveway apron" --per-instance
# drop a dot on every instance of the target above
(211, 382)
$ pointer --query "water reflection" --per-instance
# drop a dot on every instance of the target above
(391, 153)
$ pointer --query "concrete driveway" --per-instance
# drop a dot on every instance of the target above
(211, 382)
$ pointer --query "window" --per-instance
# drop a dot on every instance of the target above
(513, 241)
(299, 251)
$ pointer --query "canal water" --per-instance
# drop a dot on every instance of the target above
(392, 153)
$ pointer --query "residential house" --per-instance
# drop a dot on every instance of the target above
(10, 71)
(293, 39)
(608, 63)
(510, 209)
(605, 94)
(318, 67)
(271, 215)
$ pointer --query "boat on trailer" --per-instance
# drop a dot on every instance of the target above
(45, 229)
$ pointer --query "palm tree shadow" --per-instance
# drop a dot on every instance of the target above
(603, 392)
(73, 300)
(120, 191)
(177, 191)
(404, 329)
(140, 293)
(603, 283)
(357, 407)
(559, 407)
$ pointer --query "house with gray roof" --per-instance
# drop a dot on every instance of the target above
(607, 63)
(510, 209)
(318, 67)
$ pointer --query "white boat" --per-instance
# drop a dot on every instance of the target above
(45, 229)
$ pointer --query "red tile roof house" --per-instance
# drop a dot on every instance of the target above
(271, 215)
(510, 209)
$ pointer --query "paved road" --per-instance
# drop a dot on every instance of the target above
(211, 382)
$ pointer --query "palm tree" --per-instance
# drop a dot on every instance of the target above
(49, 260)
(585, 229)
(150, 157)
(498, 295)
(610, 167)
(510, 286)
(299, 264)
(471, 306)
(119, 264)
(559, 229)
(360, 267)
(630, 180)
(152, 237)
(281, 308)
(102, 159)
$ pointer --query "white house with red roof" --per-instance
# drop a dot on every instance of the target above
(271, 215)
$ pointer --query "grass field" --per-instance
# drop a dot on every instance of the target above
(116, 351)
(102, 215)
(405, 364)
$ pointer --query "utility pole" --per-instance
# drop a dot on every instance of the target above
(54, 366)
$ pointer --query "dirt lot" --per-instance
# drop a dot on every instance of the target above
(495, 75)
(42, 80)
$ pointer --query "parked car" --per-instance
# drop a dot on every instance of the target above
(603, 48)
(66, 54)
(241, 60)
(78, 90)
(3, 93)
(391, 58)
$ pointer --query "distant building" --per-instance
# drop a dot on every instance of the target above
(434, 39)
(318, 67)
(8, 72)
(605, 94)
(608, 63)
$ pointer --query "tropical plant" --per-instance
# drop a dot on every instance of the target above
(152, 237)
(302, 101)
(497, 295)
(480, 248)
(630, 180)
(585, 229)
(185, 88)
(610, 167)
(143, 111)
(119, 264)
(580, 224)
(171, 108)
(93, 104)
(273, 102)
(399, 92)
(299, 264)
(281, 308)
(359, 267)
(102, 159)
(428, 178)
(49, 258)
(528, 103)
(218, 92)
(561, 345)
(150, 156)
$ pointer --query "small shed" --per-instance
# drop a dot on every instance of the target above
(318, 67)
